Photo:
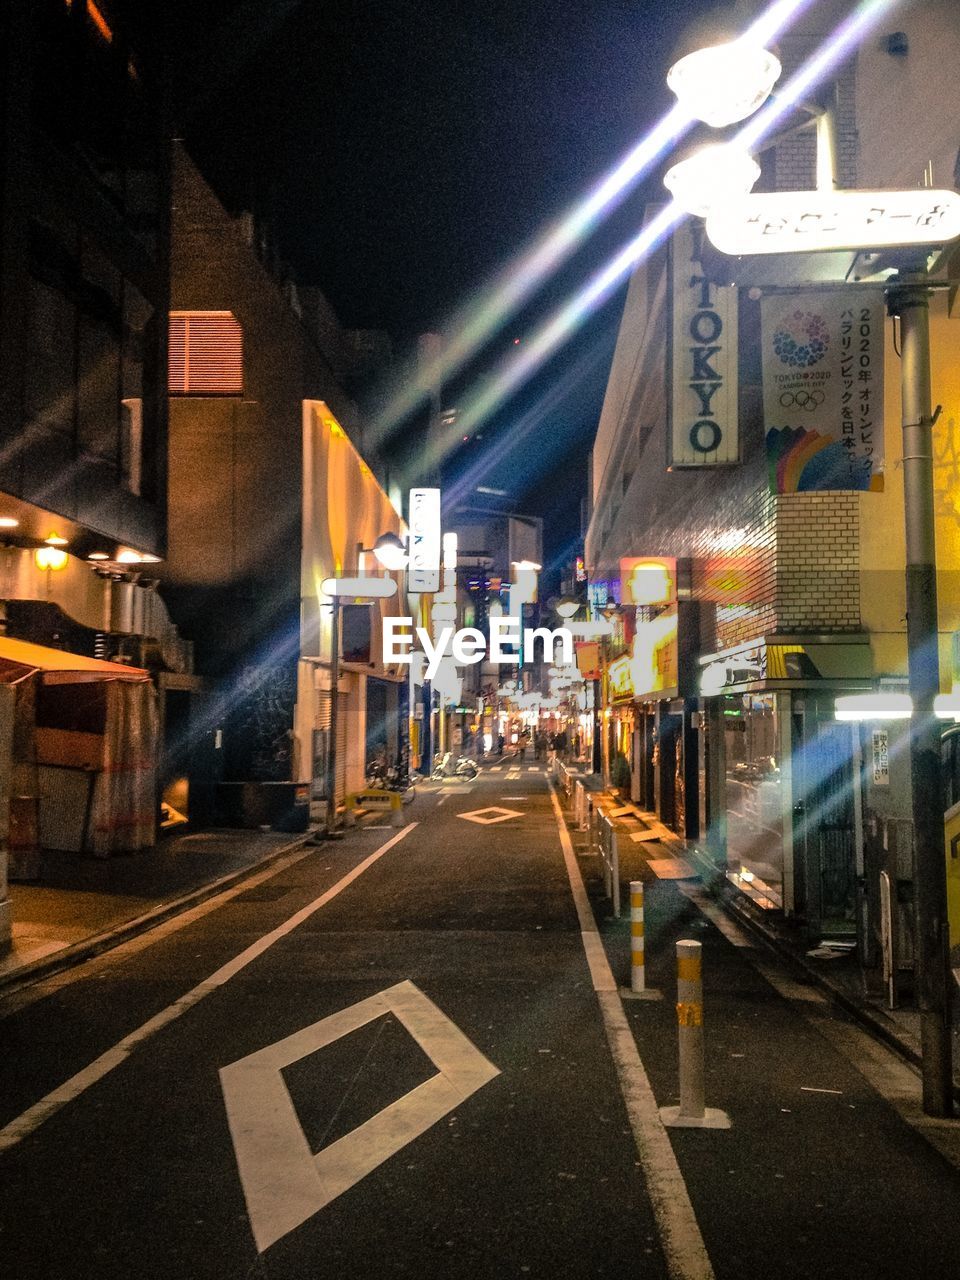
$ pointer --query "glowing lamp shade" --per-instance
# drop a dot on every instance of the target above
(873, 706)
(710, 177)
(391, 551)
(724, 83)
(568, 607)
(50, 558)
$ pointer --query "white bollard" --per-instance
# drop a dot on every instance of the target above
(638, 980)
(692, 1113)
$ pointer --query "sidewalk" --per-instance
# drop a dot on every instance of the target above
(839, 976)
(79, 905)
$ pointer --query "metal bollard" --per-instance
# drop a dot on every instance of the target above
(691, 1113)
(638, 980)
(396, 811)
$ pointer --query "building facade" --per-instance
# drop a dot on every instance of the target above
(780, 593)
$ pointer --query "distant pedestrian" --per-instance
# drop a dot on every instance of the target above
(499, 744)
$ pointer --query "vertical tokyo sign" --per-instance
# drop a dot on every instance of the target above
(425, 540)
(704, 397)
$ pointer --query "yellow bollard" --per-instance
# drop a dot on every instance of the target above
(638, 989)
(691, 1113)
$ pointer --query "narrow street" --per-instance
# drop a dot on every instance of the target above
(449, 951)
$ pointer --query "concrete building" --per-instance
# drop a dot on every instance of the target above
(269, 496)
(776, 595)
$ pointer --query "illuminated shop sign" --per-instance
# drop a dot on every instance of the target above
(620, 678)
(425, 540)
(822, 221)
(648, 580)
(654, 655)
(703, 407)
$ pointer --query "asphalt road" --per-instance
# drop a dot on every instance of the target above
(390, 1058)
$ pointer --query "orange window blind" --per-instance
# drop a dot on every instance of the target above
(206, 354)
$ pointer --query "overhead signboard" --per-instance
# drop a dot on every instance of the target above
(426, 545)
(823, 389)
(704, 402)
(824, 221)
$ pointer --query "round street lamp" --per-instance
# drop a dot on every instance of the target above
(725, 82)
(391, 551)
(711, 175)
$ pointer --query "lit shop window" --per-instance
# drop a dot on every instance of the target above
(206, 354)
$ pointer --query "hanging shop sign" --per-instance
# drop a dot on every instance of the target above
(588, 659)
(823, 389)
(822, 221)
(648, 580)
(425, 540)
(703, 406)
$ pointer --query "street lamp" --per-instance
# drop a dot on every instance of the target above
(567, 607)
(713, 174)
(725, 82)
(908, 298)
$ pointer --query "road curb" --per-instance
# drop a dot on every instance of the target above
(872, 1020)
(87, 948)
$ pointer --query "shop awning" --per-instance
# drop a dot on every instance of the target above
(19, 658)
(789, 662)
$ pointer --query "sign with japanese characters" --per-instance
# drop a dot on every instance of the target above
(823, 221)
(425, 542)
(881, 758)
(703, 407)
(823, 389)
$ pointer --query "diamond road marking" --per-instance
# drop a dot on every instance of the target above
(284, 1182)
(499, 815)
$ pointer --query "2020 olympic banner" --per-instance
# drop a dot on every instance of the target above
(823, 389)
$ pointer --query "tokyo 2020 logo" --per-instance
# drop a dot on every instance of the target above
(801, 340)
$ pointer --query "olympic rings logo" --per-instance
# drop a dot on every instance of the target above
(806, 400)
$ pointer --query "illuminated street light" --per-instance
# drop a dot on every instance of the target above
(527, 566)
(724, 83)
(873, 706)
(567, 607)
(710, 177)
(391, 551)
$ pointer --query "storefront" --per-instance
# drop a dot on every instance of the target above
(782, 782)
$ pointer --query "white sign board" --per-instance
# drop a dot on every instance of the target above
(426, 547)
(704, 401)
(823, 389)
(881, 758)
(822, 221)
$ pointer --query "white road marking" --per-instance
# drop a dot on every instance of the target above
(34, 1116)
(116, 955)
(496, 768)
(809, 1088)
(284, 1183)
(683, 1247)
(443, 799)
(497, 813)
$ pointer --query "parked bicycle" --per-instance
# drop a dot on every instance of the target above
(449, 766)
(391, 778)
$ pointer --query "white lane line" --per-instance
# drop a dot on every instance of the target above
(116, 955)
(34, 1116)
(443, 799)
(683, 1248)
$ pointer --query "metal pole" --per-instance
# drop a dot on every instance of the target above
(331, 822)
(637, 962)
(690, 1029)
(908, 299)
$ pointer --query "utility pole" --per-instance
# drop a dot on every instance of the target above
(908, 298)
(331, 762)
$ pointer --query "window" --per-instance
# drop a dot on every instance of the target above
(206, 354)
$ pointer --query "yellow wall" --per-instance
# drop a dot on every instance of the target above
(882, 537)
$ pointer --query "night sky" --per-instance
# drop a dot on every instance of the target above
(406, 151)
